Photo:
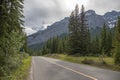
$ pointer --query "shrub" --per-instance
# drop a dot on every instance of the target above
(16, 64)
(87, 61)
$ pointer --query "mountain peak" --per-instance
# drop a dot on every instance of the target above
(110, 14)
(90, 12)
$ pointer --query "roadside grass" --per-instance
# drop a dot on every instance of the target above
(93, 61)
(21, 73)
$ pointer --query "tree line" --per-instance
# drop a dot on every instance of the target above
(80, 43)
(55, 45)
(12, 37)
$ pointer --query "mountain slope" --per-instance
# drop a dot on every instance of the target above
(56, 29)
(60, 27)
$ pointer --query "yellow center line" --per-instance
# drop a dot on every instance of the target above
(93, 78)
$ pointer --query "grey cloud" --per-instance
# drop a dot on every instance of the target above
(103, 6)
(37, 11)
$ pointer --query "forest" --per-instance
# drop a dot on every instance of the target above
(79, 41)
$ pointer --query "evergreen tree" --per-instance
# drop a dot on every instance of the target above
(95, 46)
(117, 42)
(60, 46)
(104, 40)
(65, 44)
(55, 45)
(11, 33)
(79, 37)
(84, 34)
(109, 43)
(25, 45)
(74, 32)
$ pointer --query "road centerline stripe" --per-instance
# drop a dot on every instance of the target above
(93, 78)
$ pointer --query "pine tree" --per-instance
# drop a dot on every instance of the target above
(25, 45)
(109, 43)
(11, 33)
(84, 33)
(117, 42)
(104, 40)
(95, 46)
(65, 44)
(74, 31)
(79, 37)
(55, 45)
(60, 46)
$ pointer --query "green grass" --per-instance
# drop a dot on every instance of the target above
(22, 71)
(94, 61)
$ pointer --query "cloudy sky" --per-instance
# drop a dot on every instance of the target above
(48, 11)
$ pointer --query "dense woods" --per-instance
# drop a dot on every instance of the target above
(55, 45)
(80, 42)
(12, 37)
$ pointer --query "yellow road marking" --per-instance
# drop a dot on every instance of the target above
(93, 78)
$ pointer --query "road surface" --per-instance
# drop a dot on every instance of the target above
(44, 68)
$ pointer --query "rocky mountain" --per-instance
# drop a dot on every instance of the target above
(111, 18)
(93, 20)
(55, 29)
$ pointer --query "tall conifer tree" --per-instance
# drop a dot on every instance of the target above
(79, 37)
(84, 33)
(74, 31)
(104, 40)
(11, 33)
(117, 42)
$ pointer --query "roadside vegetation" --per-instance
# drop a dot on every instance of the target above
(88, 60)
(22, 70)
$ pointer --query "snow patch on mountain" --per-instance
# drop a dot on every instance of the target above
(29, 31)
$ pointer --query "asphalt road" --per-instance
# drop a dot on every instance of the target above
(44, 68)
